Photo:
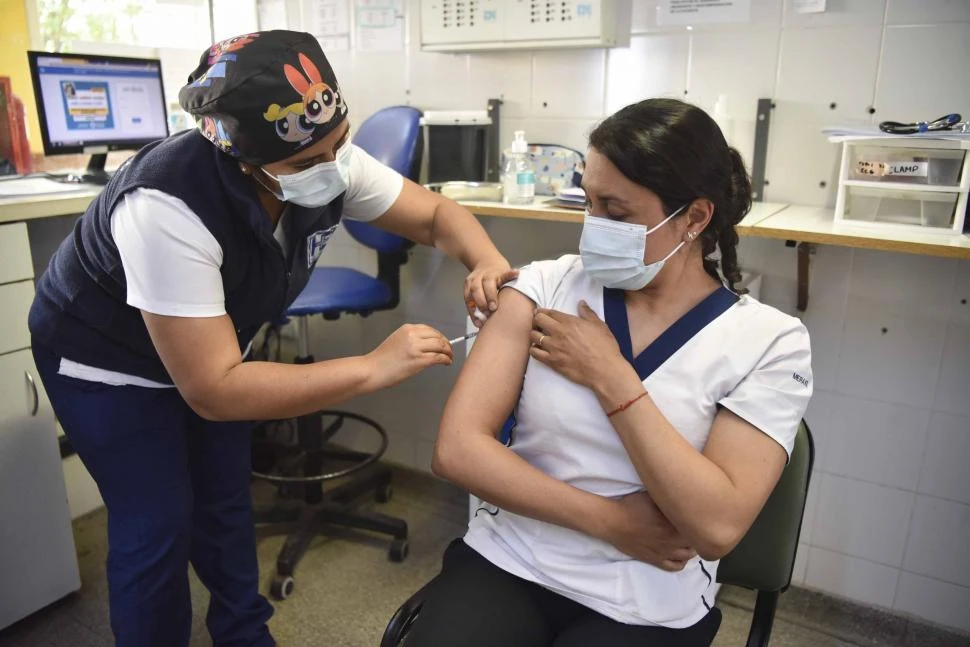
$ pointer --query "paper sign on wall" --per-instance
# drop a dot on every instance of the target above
(329, 21)
(697, 12)
(379, 25)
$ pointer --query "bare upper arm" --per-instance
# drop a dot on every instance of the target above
(197, 352)
(751, 459)
(490, 381)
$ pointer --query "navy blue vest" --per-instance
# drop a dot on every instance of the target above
(80, 310)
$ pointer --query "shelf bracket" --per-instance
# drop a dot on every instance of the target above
(805, 250)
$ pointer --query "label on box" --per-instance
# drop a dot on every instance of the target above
(907, 169)
(897, 169)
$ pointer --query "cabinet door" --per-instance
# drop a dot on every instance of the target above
(15, 263)
(15, 300)
(37, 556)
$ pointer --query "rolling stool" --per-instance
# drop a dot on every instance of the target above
(392, 136)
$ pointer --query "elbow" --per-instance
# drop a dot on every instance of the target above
(717, 541)
(448, 457)
(442, 461)
(207, 407)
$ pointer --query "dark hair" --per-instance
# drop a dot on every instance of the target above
(677, 151)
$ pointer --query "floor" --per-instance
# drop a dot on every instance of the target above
(346, 590)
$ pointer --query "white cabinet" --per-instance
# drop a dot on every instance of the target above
(38, 561)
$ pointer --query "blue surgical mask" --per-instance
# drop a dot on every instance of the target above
(613, 252)
(318, 185)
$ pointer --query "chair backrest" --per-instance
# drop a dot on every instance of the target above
(766, 555)
(393, 137)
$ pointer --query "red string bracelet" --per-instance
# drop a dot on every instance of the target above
(626, 405)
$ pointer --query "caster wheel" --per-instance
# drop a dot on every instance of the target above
(384, 493)
(281, 587)
(399, 550)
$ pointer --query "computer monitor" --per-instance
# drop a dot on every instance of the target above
(95, 104)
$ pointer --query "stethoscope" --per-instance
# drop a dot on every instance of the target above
(946, 122)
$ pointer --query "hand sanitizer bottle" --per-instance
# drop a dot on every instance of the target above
(518, 176)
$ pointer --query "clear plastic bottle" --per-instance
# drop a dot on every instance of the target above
(518, 176)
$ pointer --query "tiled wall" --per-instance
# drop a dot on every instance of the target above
(888, 520)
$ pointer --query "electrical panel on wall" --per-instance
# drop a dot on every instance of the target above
(468, 25)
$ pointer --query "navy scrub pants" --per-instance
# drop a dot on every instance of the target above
(176, 488)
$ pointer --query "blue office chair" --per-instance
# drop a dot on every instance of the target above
(393, 137)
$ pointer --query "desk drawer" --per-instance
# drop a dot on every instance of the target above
(15, 299)
(15, 264)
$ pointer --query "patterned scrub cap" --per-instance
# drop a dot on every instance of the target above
(265, 96)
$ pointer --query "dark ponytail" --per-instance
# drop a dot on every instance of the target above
(678, 152)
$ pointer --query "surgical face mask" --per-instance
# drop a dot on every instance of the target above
(613, 252)
(318, 185)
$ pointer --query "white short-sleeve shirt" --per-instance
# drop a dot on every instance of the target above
(172, 262)
(751, 359)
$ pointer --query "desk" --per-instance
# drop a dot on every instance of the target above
(31, 207)
(817, 225)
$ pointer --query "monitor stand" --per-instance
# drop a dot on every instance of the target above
(95, 173)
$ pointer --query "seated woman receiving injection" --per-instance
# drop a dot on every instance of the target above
(655, 410)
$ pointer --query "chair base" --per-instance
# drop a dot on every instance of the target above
(313, 511)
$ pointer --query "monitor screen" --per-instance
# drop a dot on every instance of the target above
(90, 102)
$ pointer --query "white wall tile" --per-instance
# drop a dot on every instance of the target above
(741, 65)
(907, 90)
(502, 75)
(819, 420)
(845, 13)
(802, 166)
(922, 284)
(937, 545)
(426, 90)
(830, 268)
(945, 470)
(862, 519)
(922, 12)
(831, 64)
(934, 600)
(960, 302)
(953, 389)
(801, 564)
(851, 577)
(568, 84)
(879, 442)
(900, 365)
(380, 80)
(653, 66)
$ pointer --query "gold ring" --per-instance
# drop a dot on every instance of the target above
(539, 343)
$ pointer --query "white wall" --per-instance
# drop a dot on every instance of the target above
(889, 510)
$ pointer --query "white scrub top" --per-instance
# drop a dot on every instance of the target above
(751, 359)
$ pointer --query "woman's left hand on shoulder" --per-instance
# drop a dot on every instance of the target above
(482, 285)
(578, 348)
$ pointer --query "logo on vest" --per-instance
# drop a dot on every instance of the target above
(315, 243)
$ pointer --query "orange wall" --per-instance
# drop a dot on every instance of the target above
(14, 43)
